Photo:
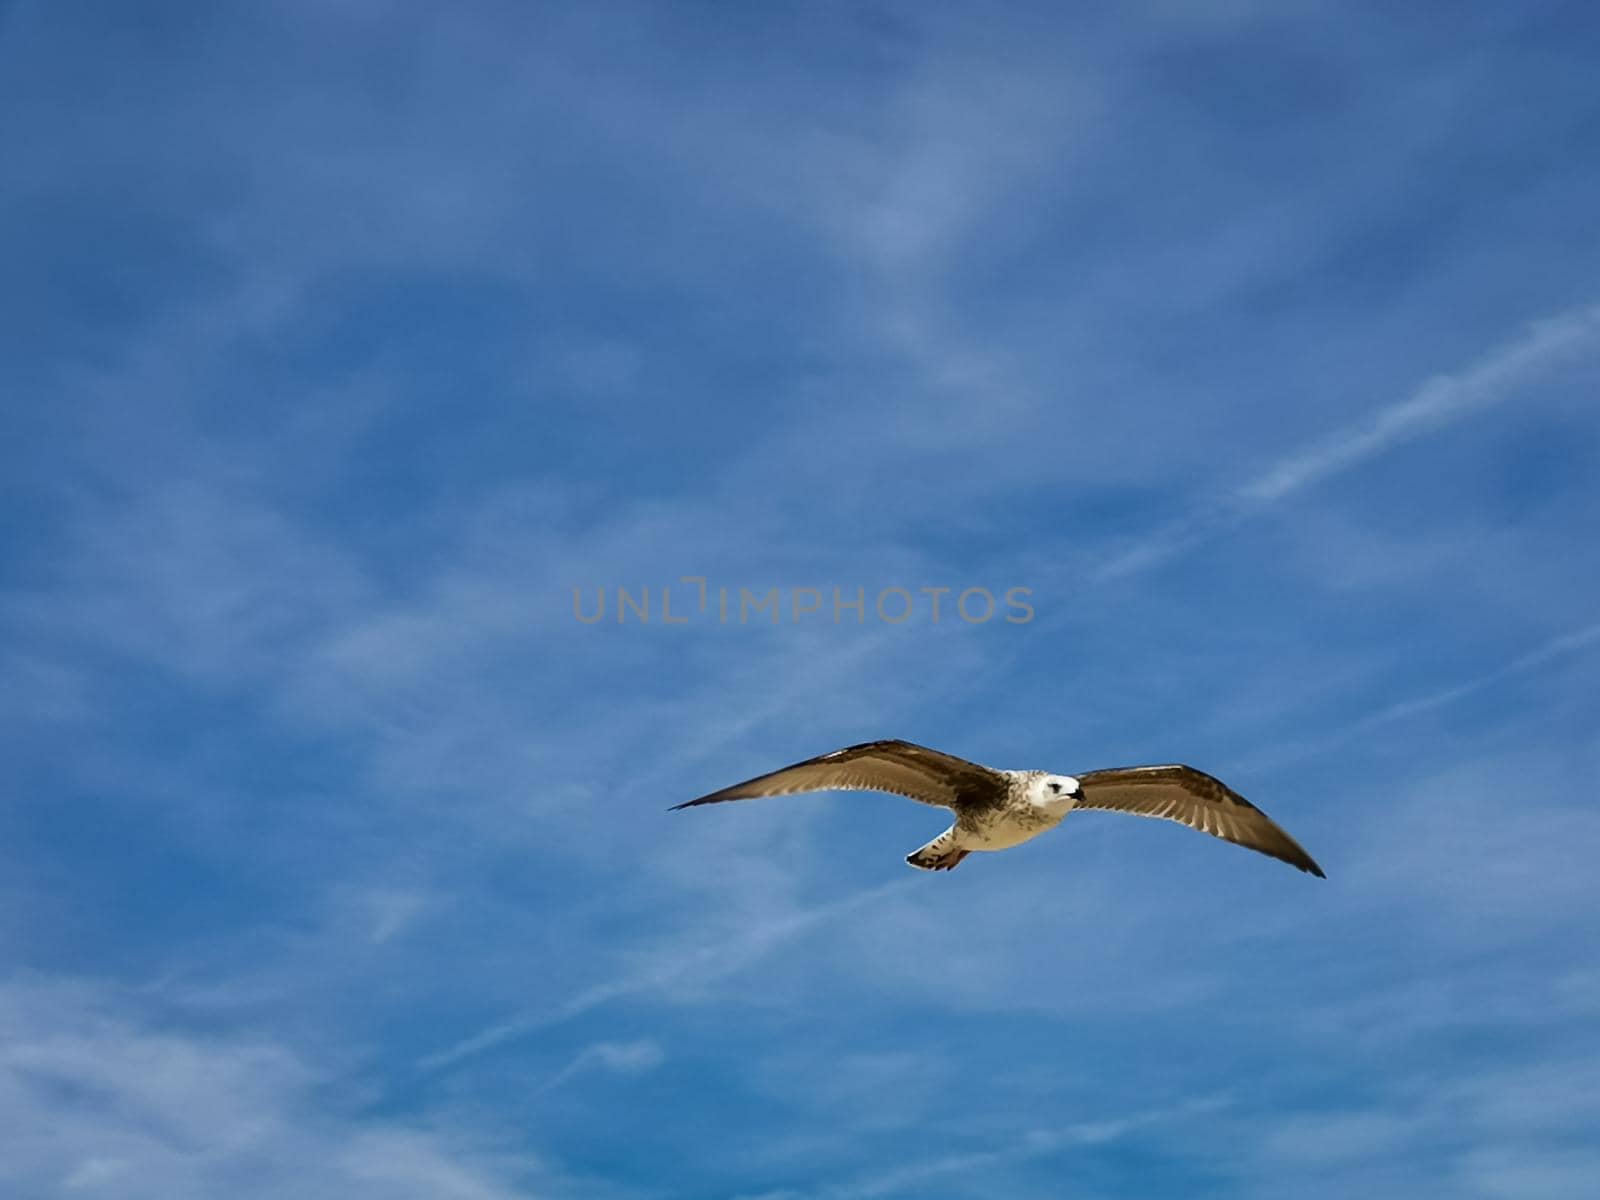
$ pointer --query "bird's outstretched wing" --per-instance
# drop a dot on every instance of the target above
(1195, 799)
(903, 768)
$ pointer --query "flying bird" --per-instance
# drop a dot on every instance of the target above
(996, 809)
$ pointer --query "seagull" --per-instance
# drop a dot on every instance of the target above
(997, 809)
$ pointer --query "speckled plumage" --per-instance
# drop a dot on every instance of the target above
(997, 809)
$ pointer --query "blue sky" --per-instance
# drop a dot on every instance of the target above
(340, 342)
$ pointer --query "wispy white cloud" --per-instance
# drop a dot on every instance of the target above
(1563, 646)
(1545, 348)
(616, 1058)
(99, 1102)
(681, 969)
(1039, 1142)
(1493, 1133)
(1529, 1173)
(385, 911)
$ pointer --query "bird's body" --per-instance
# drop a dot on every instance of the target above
(998, 809)
(1023, 815)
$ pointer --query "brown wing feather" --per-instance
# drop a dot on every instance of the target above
(1192, 798)
(901, 768)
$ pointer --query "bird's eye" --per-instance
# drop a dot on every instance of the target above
(1055, 787)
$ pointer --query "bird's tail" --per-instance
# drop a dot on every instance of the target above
(941, 854)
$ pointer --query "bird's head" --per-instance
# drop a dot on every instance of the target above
(1057, 793)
